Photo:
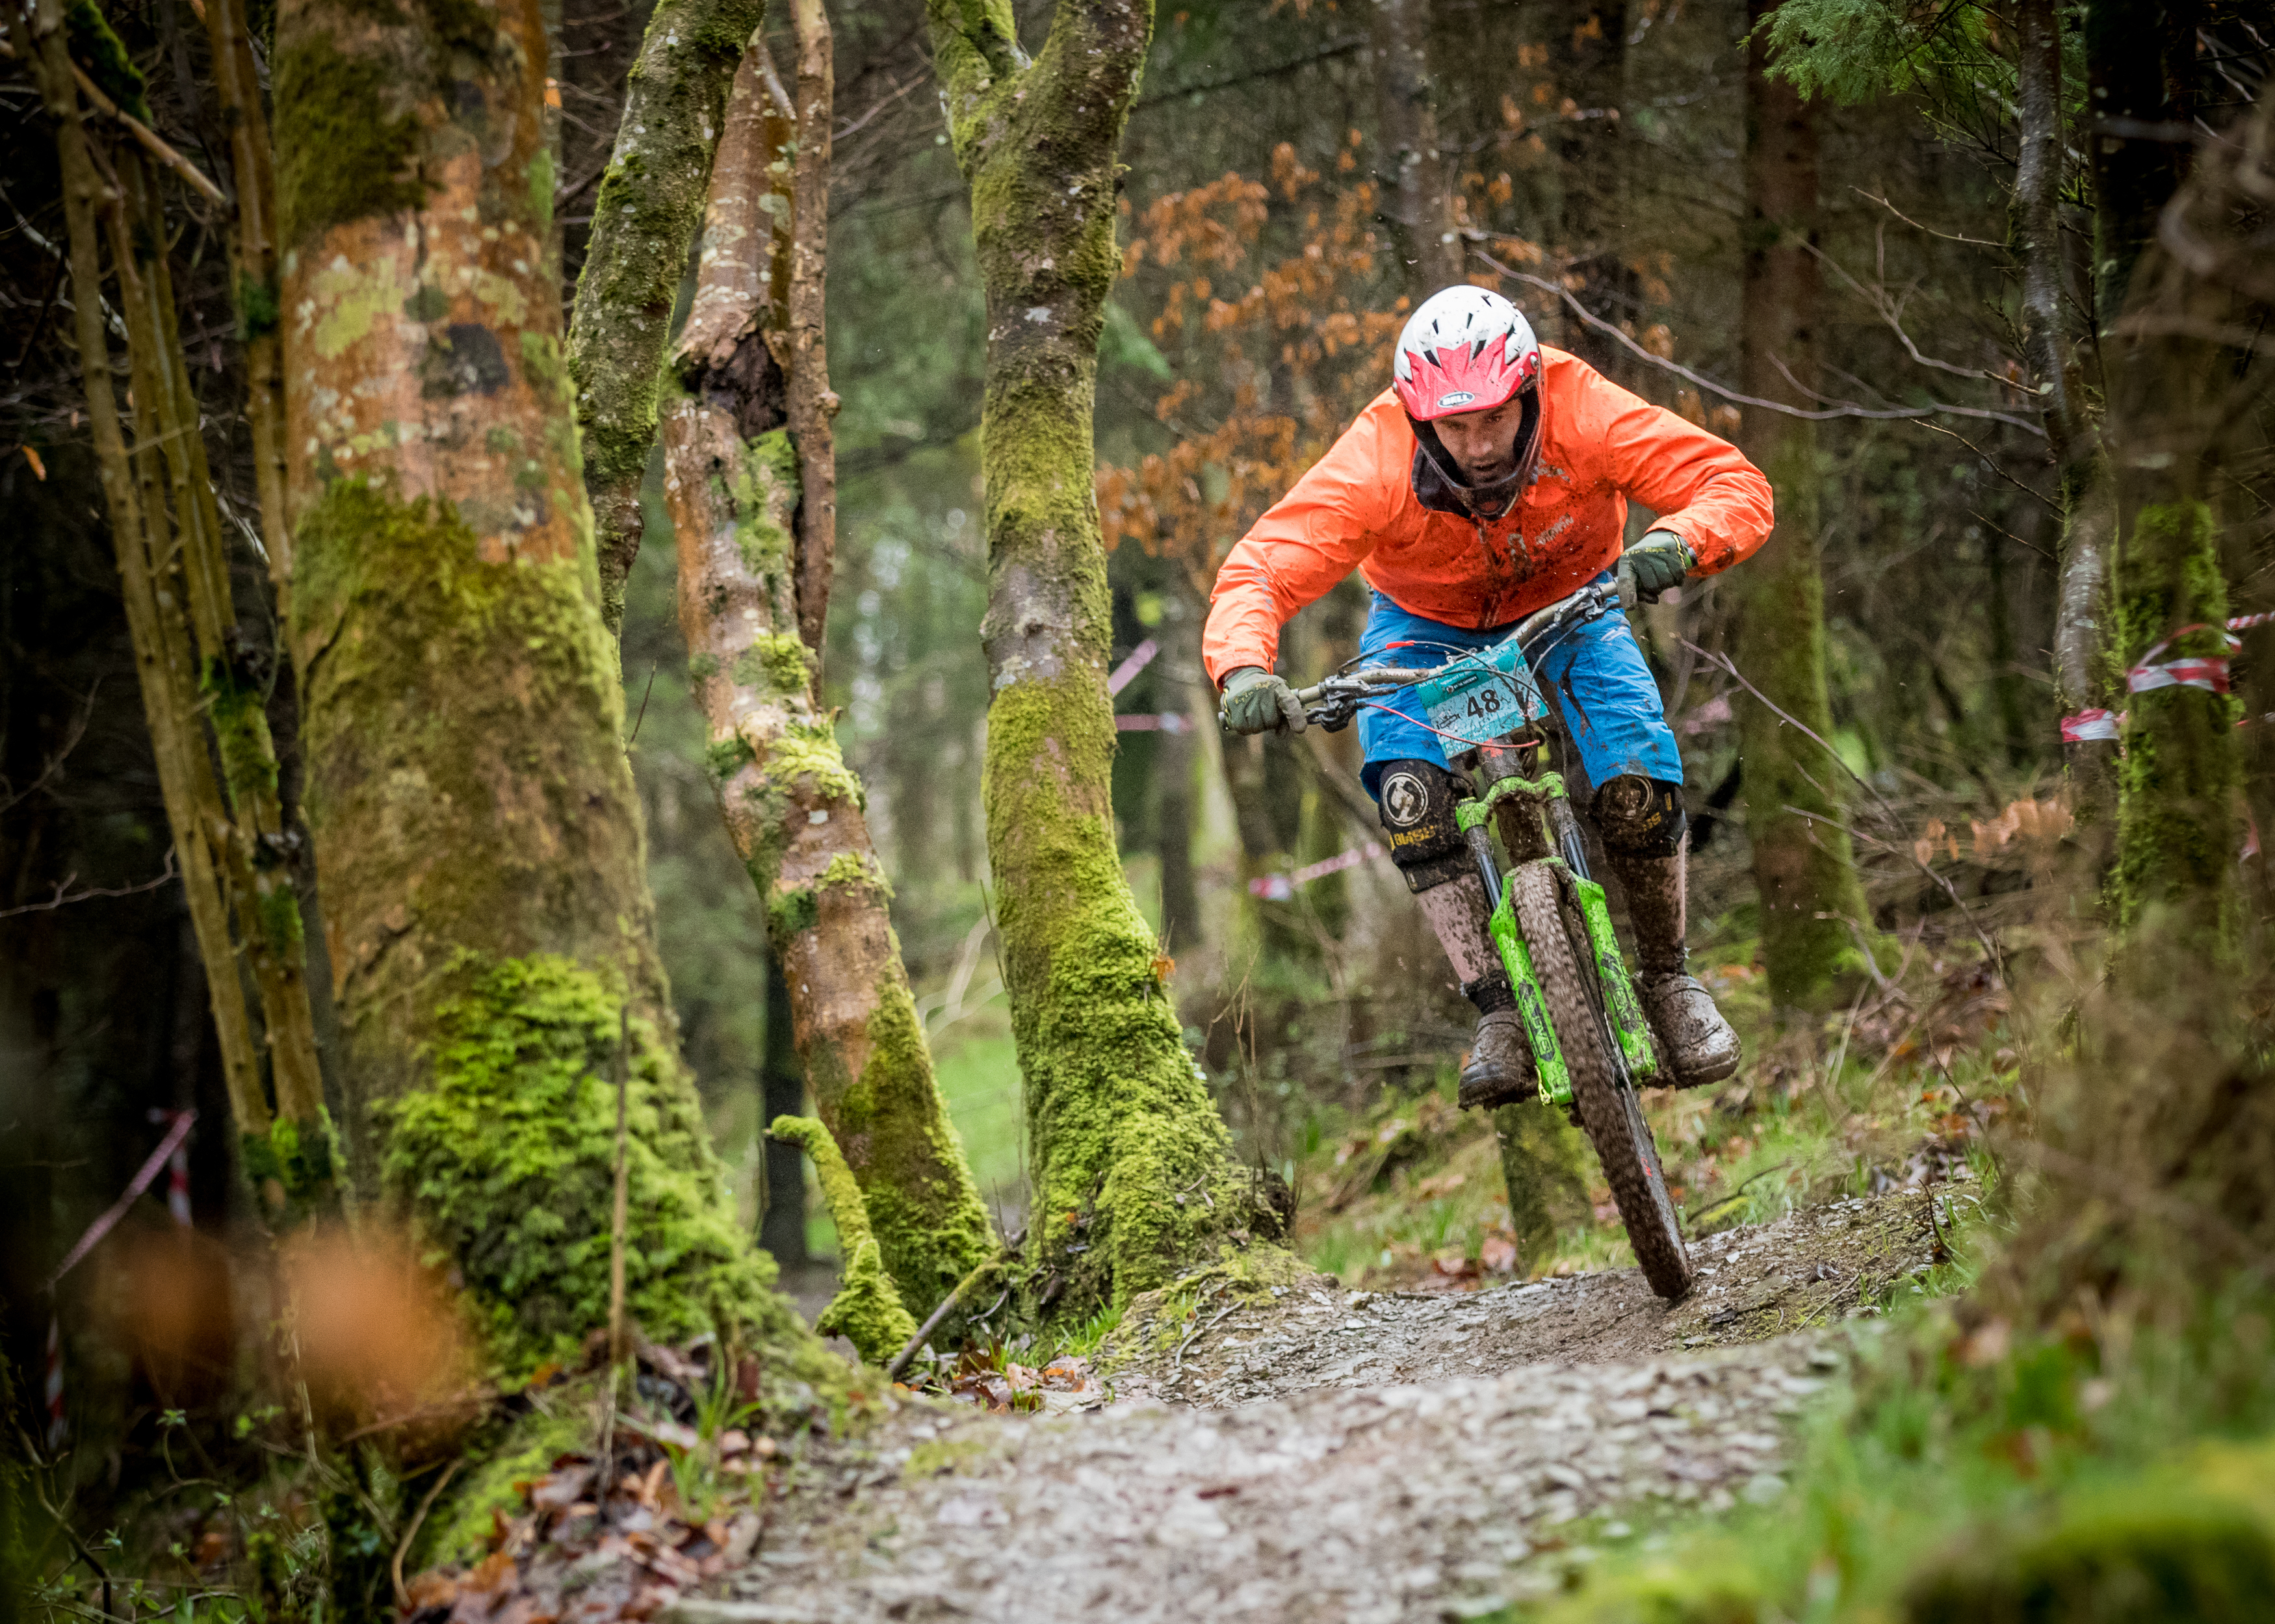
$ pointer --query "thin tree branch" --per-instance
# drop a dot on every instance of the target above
(1702, 381)
(65, 897)
(1976, 242)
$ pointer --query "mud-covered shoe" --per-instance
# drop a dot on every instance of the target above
(1697, 1042)
(1500, 1070)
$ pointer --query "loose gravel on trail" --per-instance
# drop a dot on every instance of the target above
(1342, 1457)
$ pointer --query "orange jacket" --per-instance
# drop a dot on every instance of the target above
(1357, 505)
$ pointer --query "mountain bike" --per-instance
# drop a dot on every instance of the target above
(1590, 1042)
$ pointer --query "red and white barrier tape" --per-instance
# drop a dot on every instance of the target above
(1147, 722)
(177, 1175)
(141, 1181)
(2088, 726)
(2208, 672)
(52, 1383)
(1126, 673)
(1281, 887)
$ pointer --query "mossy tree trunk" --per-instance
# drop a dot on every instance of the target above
(473, 808)
(2155, 1141)
(732, 481)
(2179, 830)
(645, 220)
(1811, 904)
(1133, 1175)
(202, 688)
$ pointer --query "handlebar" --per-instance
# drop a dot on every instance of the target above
(1332, 702)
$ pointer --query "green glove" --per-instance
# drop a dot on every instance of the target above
(1659, 561)
(1255, 701)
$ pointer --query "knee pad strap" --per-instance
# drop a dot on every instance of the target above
(1416, 803)
(1640, 817)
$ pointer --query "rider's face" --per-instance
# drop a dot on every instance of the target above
(1482, 444)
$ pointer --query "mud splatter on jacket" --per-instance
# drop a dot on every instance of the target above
(1377, 503)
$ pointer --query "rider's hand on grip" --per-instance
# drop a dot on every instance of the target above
(1659, 561)
(1255, 701)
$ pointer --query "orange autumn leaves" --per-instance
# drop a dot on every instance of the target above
(1273, 349)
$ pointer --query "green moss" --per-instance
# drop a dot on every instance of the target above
(257, 308)
(295, 1171)
(346, 151)
(921, 1201)
(104, 57)
(506, 1462)
(777, 662)
(505, 1161)
(867, 1311)
(1545, 1164)
(791, 910)
(765, 483)
(277, 903)
(856, 872)
(724, 757)
(811, 752)
(239, 718)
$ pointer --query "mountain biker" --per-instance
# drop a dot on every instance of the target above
(1491, 479)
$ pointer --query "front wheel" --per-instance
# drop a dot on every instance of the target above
(1609, 1110)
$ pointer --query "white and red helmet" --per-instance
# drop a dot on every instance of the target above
(1465, 350)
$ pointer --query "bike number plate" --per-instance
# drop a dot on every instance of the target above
(1475, 701)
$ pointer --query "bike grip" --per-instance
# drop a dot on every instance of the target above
(1627, 594)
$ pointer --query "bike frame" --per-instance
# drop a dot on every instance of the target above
(1335, 701)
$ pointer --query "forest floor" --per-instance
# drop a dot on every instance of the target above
(1341, 1454)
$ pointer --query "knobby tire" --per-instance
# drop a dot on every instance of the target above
(1609, 1112)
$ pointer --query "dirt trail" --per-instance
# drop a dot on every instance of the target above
(1340, 1456)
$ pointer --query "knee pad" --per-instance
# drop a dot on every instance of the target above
(1416, 803)
(1640, 817)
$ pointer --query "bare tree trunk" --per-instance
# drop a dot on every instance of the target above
(473, 808)
(733, 476)
(1177, 811)
(1802, 863)
(252, 247)
(811, 401)
(1134, 1181)
(645, 219)
(2072, 436)
(1417, 202)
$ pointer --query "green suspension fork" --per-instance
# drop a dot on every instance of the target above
(1629, 1025)
(1472, 817)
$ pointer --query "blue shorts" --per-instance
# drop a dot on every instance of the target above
(1596, 675)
